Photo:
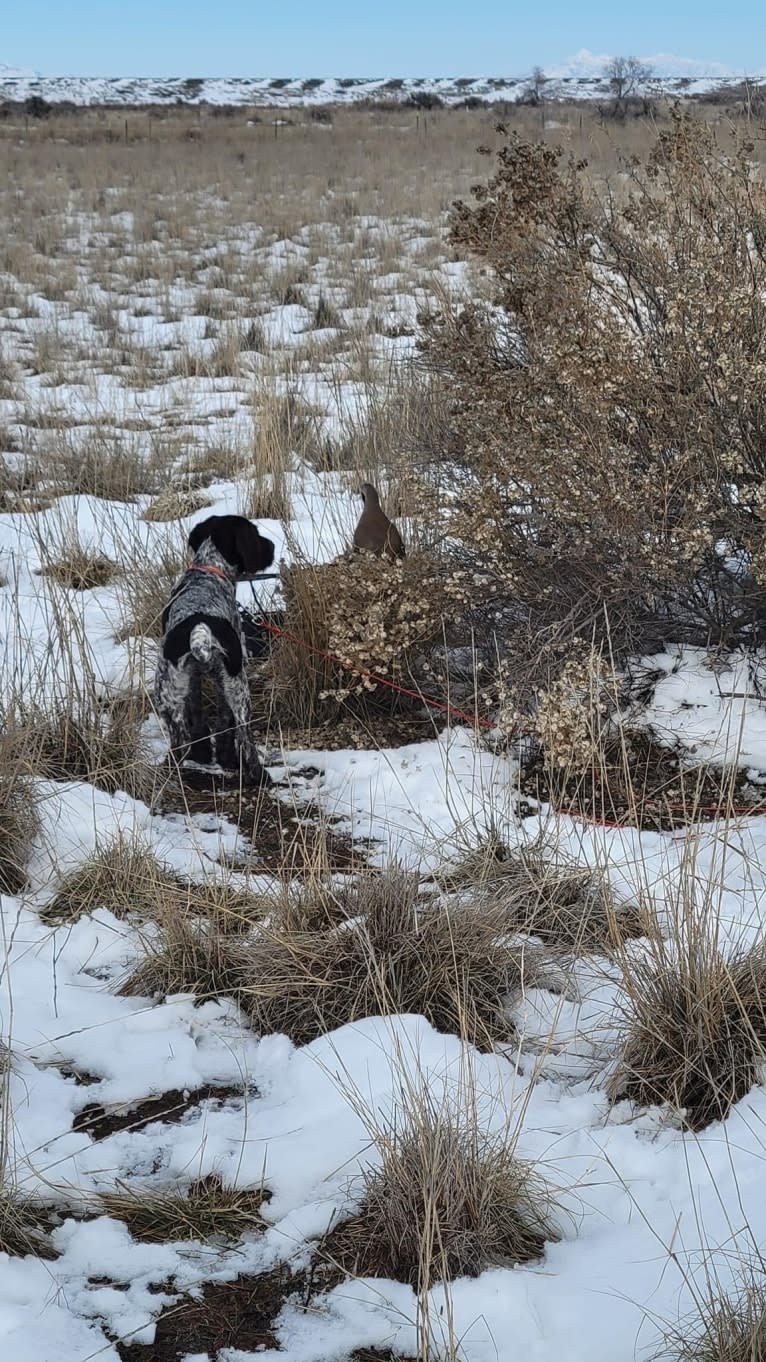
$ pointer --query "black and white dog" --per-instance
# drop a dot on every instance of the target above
(202, 637)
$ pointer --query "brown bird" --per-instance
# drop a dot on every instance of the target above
(375, 532)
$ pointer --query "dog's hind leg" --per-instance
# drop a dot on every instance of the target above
(200, 746)
(237, 696)
(171, 692)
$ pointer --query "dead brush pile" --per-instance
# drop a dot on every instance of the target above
(377, 621)
(610, 410)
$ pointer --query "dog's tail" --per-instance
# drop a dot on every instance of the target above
(201, 643)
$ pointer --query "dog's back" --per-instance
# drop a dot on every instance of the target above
(201, 620)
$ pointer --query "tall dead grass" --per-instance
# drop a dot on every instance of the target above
(693, 1019)
(444, 1198)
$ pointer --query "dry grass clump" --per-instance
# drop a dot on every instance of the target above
(389, 953)
(174, 503)
(23, 1223)
(694, 1024)
(374, 949)
(206, 1210)
(404, 425)
(267, 496)
(445, 1201)
(123, 876)
(372, 616)
(18, 819)
(223, 906)
(566, 906)
(78, 738)
(725, 1328)
(184, 955)
(104, 462)
(79, 569)
(285, 427)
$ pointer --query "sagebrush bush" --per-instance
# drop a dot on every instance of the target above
(375, 618)
(611, 409)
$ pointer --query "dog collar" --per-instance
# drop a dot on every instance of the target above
(208, 567)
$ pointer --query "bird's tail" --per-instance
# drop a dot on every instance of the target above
(201, 643)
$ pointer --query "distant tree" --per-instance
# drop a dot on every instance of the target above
(533, 92)
(37, 107)
(538, 83)
(425, 99)
(626, 76)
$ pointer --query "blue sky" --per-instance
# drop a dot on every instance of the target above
(365, 37)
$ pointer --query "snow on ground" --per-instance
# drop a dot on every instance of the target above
(641, 1207)
(582, 77)
(627, 1186)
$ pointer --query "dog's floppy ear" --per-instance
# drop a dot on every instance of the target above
(205, 529)
(255, 552)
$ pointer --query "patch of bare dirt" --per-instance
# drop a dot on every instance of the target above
(645, 785)
(100, 1122)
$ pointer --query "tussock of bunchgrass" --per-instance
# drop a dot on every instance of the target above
(78, 739)
(444, 1200)
(79, 569)
(18, 820)
(23, 1223)
(206, 1210)
(694, 1023)
(566, 906)
(726, 1327)
(175, 504)
(223, 906)
(102, 463)
(389, 953)
(186, 955)
(123, 876)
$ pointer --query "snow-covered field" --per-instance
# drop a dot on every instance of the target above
(165, 339)
(582, 77)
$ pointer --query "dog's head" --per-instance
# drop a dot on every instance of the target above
(238, 542)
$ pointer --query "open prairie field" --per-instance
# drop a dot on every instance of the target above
(449, 1043)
